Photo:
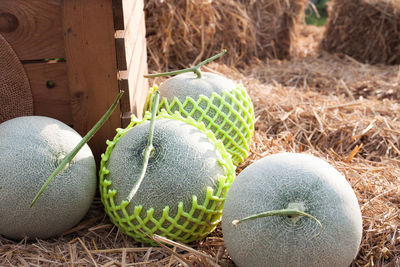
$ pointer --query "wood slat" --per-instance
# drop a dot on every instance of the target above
(138, 85)
(50, 101)
(134, 32)
(92, 68)
(132, 53)
(33, 28)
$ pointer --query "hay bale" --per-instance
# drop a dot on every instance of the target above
(276, 25)
(180, 33)
(367, 30)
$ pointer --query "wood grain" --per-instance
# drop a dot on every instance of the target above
(50, 101)
(33, 28)
(91, 65)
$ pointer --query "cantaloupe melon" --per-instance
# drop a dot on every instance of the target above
(30, 150)
(220, 103)
(189, 85)
(182, 193)
(287, 181)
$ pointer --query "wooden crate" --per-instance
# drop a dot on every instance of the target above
(102, 47)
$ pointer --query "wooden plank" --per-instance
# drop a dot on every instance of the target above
(49, 87)
(91, 66)
(134, 31)
(134, 36)
(138, 85)
(33, 28)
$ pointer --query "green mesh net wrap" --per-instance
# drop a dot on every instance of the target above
(189, 223)
(229, 116)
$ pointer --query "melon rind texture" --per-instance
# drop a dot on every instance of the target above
(31, 148)
(272, 183)
(180, 223)
(229, 115)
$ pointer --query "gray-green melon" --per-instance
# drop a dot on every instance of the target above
(31, 148)
(188, 85)
(286, 180)
(222, 105)
(184, 165)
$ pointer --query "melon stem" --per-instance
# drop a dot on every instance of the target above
(195, 69)
(67, 159)
(283, 212)
(149, 148)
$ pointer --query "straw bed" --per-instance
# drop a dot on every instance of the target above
(359, 136)
(367, 30)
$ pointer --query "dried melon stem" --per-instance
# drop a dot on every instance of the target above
(148, 149)
(293, 211)
(67, 159)
(195, 69)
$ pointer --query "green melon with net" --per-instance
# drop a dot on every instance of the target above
(183, 190)
(221, 104)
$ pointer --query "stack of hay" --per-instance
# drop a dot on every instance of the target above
(367, 30)
(276, 26)
(182, 32)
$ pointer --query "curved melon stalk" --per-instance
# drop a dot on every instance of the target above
(67, 159)
(293, 211)
(148, 149)
(195, 69)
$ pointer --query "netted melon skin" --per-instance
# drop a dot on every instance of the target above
(31, 148)
(271, 183)
(187, 225)
(230, 116)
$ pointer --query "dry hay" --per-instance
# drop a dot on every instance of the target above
(367, 30)
(333, 74)
(360, 137)
(180, 33)
(308, 41)
(275, 23)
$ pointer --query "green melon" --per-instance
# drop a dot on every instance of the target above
(30, 150)
(189, 85)
(182, 193)
(222, 105)
(288, 181)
